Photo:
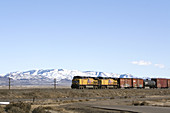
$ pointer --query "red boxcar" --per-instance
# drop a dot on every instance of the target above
(161, 82)
(125, 82)
(168, 83)
(137, 83)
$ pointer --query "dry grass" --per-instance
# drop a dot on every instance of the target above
(69, 93)
(50, 98)
(40, 110)
(18, 108)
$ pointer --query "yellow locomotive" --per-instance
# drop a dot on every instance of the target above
(80, 82)
(107, 82)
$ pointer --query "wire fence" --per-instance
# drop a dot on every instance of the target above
(9, 83)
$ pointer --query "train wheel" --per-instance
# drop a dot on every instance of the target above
(95, 87)
(114, 87)
(81, 87)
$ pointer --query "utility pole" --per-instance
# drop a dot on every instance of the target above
(9, 83)
(55, 83)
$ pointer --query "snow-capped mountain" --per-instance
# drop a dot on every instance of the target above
(62, 76)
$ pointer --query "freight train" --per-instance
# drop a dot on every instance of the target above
(80, 82)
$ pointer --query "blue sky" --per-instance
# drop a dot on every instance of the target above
(119, 36)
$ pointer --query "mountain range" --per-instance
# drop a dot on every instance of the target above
(46, 77)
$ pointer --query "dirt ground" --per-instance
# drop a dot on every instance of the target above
(66, 100)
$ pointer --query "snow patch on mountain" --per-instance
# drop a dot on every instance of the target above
(49, 75)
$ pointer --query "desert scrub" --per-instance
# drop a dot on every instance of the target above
(139, 103)
(143, 96)
(14, 109)
(40, 110)
(112, 97)
(1, 109)
(20, 107)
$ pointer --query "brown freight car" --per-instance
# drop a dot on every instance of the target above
(138, 83)
(160, 82)
(125, 82)
(168, 83)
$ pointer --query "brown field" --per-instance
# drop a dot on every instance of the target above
(65, 100)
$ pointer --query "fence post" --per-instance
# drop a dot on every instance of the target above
(9, 83)
(55, 83)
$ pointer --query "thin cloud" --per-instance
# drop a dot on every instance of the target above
(142, 63)
(160, 66)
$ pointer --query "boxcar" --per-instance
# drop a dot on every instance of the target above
(138, 83)
(125, 82)
(160, 82)
(168, 83)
